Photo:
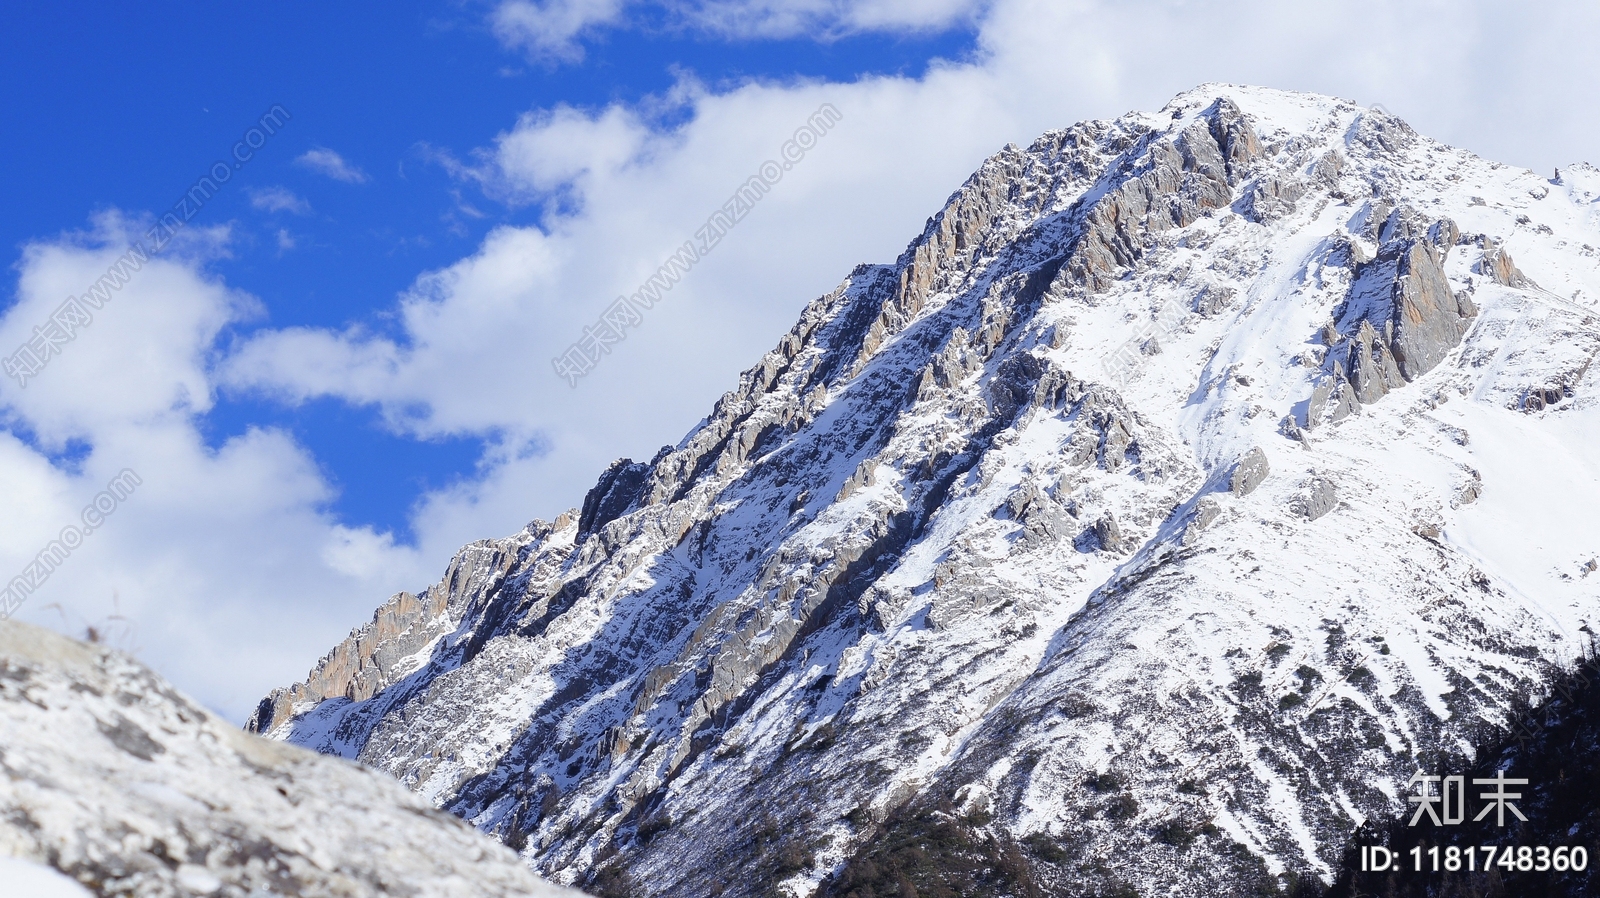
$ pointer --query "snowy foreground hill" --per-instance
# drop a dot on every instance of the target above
(1188, 482)
(113, 784)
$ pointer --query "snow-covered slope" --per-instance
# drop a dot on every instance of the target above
(1198, 469)
(115, 781)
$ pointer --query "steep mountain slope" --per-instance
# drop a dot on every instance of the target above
(1555, 747)
(115, 780)
(1187, 477)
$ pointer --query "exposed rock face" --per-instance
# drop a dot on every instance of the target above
(1373, 372)
(617, 491)
(1471, 490)
(869, 599)
(1317, 499)
(1429, 318)
(1497, 264)
(1042, 519)
(1337, 395)
(1180, 178)
(125, 786)
(1402, 316)
(1249, 472)
(1109, 534)
(401, 633)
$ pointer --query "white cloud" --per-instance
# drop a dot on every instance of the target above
(238, 577)
(549, 30)
(553, 30)
(227, 567)
(137, 360)
(560, 150)
(286, 240)
(825, 18)
(278, 199)
(327, 162)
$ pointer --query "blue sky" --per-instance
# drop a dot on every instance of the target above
(129, 112)
(340, 373)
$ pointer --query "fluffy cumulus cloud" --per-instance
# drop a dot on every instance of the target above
(216, 564)
(1500, 79)
(240, 578)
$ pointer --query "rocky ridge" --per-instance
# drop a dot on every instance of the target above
(1162, 500)
(127, 788)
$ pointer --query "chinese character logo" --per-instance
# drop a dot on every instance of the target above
(1454, 788)
(1443, 799)
(1500, 797)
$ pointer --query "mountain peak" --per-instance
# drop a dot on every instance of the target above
(1186, 448)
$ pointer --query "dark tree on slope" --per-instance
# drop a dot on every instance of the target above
(934, 854)
(1556, 747)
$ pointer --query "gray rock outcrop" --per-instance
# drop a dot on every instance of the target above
(1109, 535)
(1316, 499)
(1249, 472)
(1497, 264)
(1205, 511)
(1429, 318)
(1401, 317)
(1373, 371)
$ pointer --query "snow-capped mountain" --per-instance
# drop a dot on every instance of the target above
(114, 784)
(1188, 482)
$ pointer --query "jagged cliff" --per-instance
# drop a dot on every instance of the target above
(1137, 525)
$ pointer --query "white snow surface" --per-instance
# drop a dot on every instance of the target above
(115, 784)
(932, 549)
(25, 879)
